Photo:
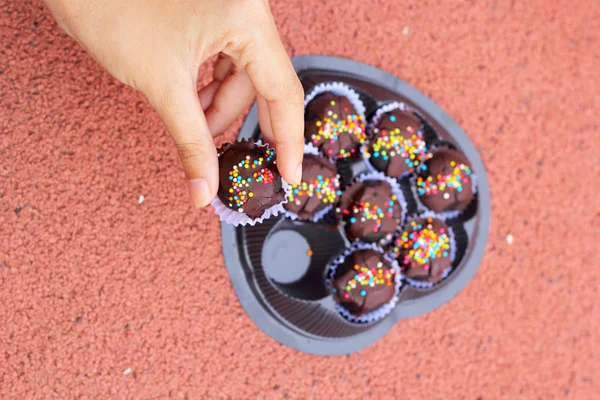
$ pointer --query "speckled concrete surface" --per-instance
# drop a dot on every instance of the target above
(103, 297)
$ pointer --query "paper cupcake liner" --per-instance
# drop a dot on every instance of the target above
(237, 218)
(331, 219)
(444, 215)
(396, 190)
(319, 215)
(339, 89)
(312, 150)
(395, 105)
(381, 311)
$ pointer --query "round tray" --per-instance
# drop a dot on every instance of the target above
(280, 285)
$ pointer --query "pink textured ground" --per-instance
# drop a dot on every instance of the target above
(94, 285)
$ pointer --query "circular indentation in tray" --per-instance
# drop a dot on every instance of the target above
(293, 306)
(286, 256)
(308, 248)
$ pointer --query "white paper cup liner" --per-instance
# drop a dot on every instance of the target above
(319, 215)
(311, 150)
(384, 309)
(396, 190)
(237, 218)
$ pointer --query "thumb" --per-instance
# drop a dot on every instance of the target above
(179, 108)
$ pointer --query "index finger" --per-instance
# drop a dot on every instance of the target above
(272, 74)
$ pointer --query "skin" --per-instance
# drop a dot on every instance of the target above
(158, 46)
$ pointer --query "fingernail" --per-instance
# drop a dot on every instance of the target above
(299, 174)
(199, 191)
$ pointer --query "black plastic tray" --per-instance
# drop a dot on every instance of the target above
(280, 286)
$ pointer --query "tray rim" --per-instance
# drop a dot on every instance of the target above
(281, 331)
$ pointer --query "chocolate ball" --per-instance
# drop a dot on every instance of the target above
(370, 211)
(447, 182)
(423, 249)
(333, 126)
(397, 144)
(320, 188)
(249, 181)
(364, 282)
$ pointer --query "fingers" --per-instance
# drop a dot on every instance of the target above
(206, 95)
(234, 95)
(274, 78)
(264, 121)
(180, 110)
(226, 97)
(222, 68)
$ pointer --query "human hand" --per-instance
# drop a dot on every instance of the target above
(157, 47)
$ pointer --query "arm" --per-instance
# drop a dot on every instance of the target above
(157, 47)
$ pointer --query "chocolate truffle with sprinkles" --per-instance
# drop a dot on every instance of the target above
(423, 250)
(249, 181)
(333, 126)
(447, 182)
(319, 189)
(364, 282)
(370, 211)
(397, 144)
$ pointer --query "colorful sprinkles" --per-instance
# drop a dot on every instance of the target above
(368, 277)
(411, 147)
(441, 183)
(365, 211)
(325, 189)
(420, 244)
(333, 125)
(239, 192)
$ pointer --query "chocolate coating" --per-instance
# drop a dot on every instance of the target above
(363, 282)
(397, 144)
(446, 184)
(423, 249)
(249, 181)
(369, 211)
(319, 189)
(333, 126)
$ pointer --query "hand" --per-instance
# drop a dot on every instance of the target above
(157, 47)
